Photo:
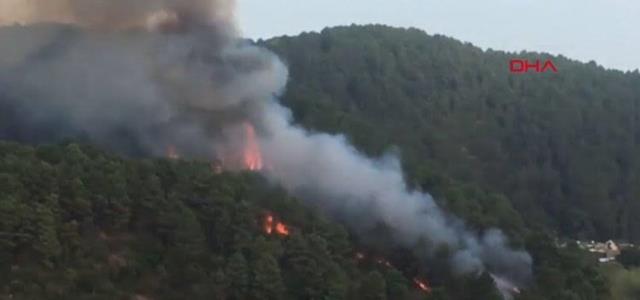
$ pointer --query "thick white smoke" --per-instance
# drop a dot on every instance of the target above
(365, 192)
(154, 73)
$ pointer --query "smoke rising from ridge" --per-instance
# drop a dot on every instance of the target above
(141, 76)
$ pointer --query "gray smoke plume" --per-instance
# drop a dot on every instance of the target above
(142, 76)
(118, 14)
(365, 192)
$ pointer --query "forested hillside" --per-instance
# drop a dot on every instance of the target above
(76, 223)
(534, 155)
(562, 147)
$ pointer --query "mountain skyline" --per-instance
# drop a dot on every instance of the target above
(595, 30)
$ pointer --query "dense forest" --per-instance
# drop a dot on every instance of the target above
(77, 223)
(541, 156)
(562, 147)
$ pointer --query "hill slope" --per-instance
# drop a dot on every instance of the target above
(562, 147)
(77, 223)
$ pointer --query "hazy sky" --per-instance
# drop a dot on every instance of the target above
(607, 31)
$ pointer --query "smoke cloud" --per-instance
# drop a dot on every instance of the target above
(141, 76)
(364, 192)
(118, 14)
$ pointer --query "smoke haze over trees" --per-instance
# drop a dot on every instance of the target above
(173, 74)
(77, 223)
(563, 147)
(560, 149)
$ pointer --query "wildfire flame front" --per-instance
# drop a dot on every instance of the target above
(271, 226)
(268, 224)
(252, 157)
(422, 285)
(282, 229)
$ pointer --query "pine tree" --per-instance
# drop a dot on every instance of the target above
(336, 282)
(47, 243)
(397, 284)
(267, 281)
(305, 271)
(219, 285)
(372, 287)
(237, 272)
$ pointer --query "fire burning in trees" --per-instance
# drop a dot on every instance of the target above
(271, 225)
(245, 155)
(422, 285)
(268, 224)
(252, 157)
(182, 72)
(282, 229)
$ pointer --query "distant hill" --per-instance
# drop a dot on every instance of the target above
(562, 147)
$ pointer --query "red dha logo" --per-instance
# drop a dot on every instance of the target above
(523, 66)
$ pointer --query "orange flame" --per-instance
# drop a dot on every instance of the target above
(282, 229)
(268, 224)
(271, 226)
(252, 156)
(422, 285)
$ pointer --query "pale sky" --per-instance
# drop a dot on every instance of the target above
(606, 31)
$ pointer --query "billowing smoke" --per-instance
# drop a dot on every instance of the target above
(162, 73)
(142, 76)
(364, 193)
(118, 14)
